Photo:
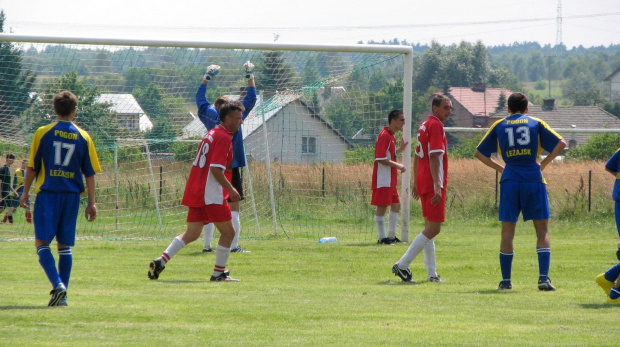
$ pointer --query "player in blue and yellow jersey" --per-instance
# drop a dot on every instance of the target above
(613, 167)
(18, 189)
(520, 139)
(610, 279)
(18, 185)
(209, 116)
(61, 155)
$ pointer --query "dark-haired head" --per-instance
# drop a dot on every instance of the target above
(517, 103)
(65, 103)
(230, 107)
(394, 115)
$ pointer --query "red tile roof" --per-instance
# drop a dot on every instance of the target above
(478, 103)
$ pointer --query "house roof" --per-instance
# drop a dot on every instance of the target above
(481, 103)
(612, 74)
(270, 108)
(126, 104)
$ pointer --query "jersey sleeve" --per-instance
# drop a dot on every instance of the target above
(90, 164)
(382, 147)
(613, 164)
(435, 143)
(249, 101)
(220, 149)
(489, 145)
(548, 137)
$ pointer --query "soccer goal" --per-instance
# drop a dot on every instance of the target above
(309, 140)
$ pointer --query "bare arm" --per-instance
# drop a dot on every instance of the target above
(433, 160)
(403, 144)
(556, 151)
(218, 173)
(30, 175)
(416, 165)
(91, 208)
(488, 161)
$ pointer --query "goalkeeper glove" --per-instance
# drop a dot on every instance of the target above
(249, 70)
(212, 70)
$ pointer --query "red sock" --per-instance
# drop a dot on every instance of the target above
(28, 216)
(11, 218)
(5, 217)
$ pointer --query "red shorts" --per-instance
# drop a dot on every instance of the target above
(433, 213)
(209, 213)
(384, 196)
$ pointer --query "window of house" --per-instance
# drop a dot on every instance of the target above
(308, 144)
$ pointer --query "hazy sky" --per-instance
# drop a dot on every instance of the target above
(585, 22)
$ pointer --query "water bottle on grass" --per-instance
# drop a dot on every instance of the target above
(330, 239)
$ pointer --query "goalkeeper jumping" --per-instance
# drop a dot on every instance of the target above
(209, 116)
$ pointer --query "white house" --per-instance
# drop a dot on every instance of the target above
(295, 134)
(614, 85)
(128, 111)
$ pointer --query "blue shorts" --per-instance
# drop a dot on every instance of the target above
(55, 215)
(526, 197)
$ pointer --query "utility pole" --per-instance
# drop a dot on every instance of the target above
(558, 23)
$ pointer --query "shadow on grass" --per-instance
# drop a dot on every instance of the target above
(2, 308)
(494, 291)
(599, 306)
(398, 283)
(181, 281)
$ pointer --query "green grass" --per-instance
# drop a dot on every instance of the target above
(300, 292)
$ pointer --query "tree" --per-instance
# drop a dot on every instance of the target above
(276, 74)
(16, 84)
(96, 118)
(501, 101)
(598, 147)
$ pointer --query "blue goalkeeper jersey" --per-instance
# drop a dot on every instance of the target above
(519, 139)
(613, 164)
(210, 117)
(62, 154)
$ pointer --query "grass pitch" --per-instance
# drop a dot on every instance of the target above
(300, 292)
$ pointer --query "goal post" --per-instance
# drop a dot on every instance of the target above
(315, 121)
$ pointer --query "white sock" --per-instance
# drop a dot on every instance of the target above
(429, 258)
(207, 234)
(221, 259)
(380, 222)
(175, 246)
(414, 249)
(237, 226)
(392, 222)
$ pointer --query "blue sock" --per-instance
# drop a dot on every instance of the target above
(544, 259)
(65, 262)
(612, 274)
(505, 263)
(46, 259)
(614, 294)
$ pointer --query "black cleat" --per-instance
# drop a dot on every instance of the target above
(384, 241)
(238, 249)
(207, 250)
(155, 268)
(223, 277)
(545, 285)
(394, 240)
(57, 295)
(503, 286)
(404, 275)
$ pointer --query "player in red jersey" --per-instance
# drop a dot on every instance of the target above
(207, 189)
(430, 166)
(384, 177)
